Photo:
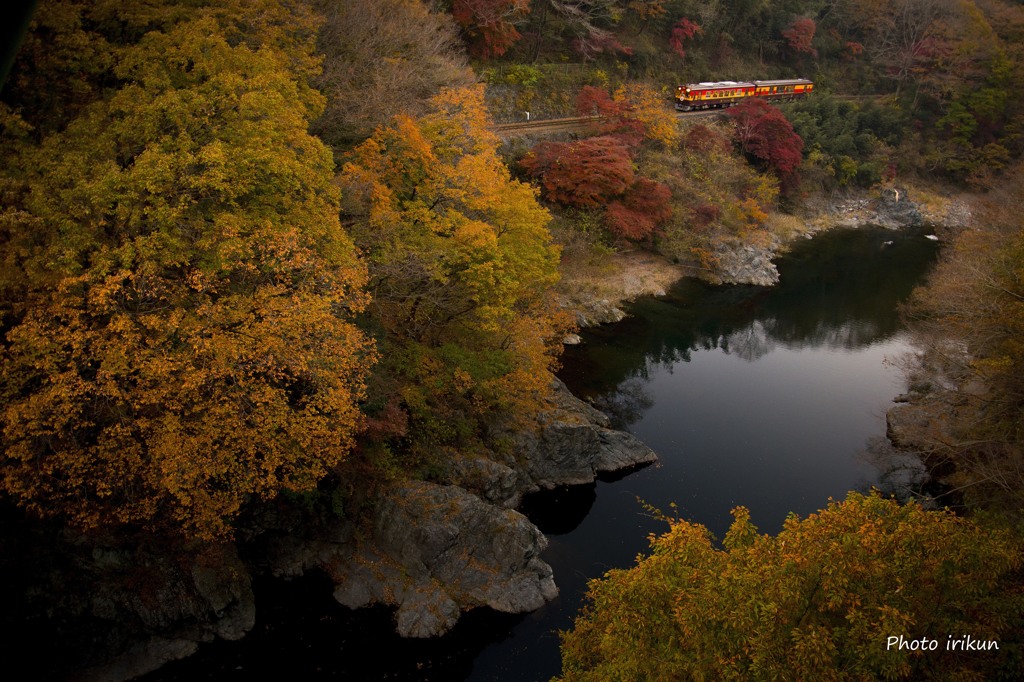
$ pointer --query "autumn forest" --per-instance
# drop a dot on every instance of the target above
(265, 263)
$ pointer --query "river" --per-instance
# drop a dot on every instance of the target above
(771, 398)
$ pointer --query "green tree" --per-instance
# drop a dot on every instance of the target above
(179, 338)
(818, 602)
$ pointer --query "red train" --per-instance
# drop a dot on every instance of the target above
(693, 96)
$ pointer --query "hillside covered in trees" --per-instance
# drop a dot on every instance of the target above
(262, 260)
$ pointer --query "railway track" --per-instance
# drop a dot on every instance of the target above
(569, 125)
(579, 123)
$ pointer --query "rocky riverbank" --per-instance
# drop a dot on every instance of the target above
(601, 298)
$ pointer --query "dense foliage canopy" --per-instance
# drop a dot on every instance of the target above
(461, 267)
(820, 601)
(180, 291)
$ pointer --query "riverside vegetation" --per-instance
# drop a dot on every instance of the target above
(269, 278)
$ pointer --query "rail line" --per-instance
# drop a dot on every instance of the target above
(568, 125)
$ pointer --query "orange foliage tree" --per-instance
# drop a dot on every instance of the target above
(179, 340)
(634, 113)
(461, 265)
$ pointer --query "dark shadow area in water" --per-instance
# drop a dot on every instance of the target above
(302, 633)
(561, 510)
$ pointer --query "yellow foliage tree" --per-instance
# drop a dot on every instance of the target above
(830, 598)
(181, 340)
(645, 105)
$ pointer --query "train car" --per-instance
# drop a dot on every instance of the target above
(783, 90)
(695, 96)
(712, 95)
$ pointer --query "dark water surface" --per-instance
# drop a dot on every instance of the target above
(769, 398)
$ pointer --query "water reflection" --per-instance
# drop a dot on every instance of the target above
(839, 292)
(626, 403)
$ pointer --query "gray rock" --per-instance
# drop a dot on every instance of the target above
(894, 209)
(140, 659)
(490, 480)
(620, 450)
(148, 606)
(438, 549)
(426, 613)
(740, 263)
(912, 426)
(574, 444)
(592, 313)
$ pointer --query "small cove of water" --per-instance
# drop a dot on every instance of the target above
(769, 398)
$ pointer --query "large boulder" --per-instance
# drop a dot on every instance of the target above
(574, 444)
(894, 209)
(437, 550)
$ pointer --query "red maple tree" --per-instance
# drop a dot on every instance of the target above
(799, 36)
(645, 206)
(584, 173)
(763, 132)
(683, 30)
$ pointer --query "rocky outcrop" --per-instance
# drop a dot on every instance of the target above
(892, 208)
(574, 445)
(434, 550)
(740, 263)
(594, 312)
(895, 210)
(437, 550)
(597, 296)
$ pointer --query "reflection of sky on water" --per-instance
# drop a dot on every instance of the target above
(776, 434)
